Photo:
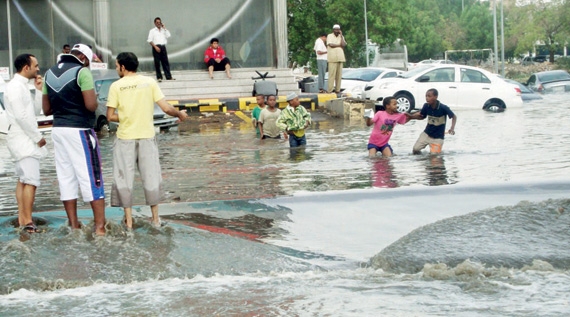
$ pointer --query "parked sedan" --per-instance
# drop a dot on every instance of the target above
(429, 62)
(527, 95)
(552, 81)
(103, 79)
(459, 86)
(44, 122)
(354, 81)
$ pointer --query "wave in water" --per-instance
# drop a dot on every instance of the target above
(511, 237)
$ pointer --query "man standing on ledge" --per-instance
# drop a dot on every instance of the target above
(131, 103)
(335, 57)
(157, 38)
(321, 51)
(69, 94)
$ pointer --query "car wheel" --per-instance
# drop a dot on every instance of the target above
(494, 106)
(102, 124)
(405, 102)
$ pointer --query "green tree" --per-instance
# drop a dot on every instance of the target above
(477, 24)
(306, 20)
(545, 23)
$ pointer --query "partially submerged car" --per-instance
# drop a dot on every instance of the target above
(44, 122)
(552, 81)
(527, 95)
(459, 86)
(103, 79)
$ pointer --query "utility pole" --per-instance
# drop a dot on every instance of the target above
(496, 63)
(366, 34)
(502, 40)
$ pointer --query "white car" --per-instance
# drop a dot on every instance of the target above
(44, 122)
(459, 87)
(429, 62)
(354, 81)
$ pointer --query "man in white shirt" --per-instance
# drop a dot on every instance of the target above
(157, 38)
(321, 51)
(25, 142)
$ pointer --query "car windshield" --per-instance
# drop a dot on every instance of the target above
(415, 71)
(362, 74)
(553, 76)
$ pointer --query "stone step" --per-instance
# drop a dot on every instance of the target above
(198, 85)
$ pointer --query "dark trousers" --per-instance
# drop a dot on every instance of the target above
(161, 58)
(218, 66)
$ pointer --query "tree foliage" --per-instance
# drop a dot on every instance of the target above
(427, 27)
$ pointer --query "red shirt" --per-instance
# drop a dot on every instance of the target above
(209, 53)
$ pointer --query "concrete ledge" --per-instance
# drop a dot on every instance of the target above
(309, 101)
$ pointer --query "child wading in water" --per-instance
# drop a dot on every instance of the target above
(384, 123)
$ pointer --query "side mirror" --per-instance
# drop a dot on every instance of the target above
(423, 79)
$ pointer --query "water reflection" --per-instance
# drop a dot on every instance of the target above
(383, 173)
(436, 172)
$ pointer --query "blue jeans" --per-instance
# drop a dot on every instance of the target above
(295, 141)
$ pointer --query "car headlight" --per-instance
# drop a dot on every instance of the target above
(356, 89)
(385, 85)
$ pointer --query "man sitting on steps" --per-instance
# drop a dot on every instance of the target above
(216, 59)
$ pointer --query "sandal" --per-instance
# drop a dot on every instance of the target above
(31, 228)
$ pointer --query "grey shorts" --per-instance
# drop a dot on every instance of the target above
(128, 157)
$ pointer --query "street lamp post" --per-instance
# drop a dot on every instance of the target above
(366, 34)
(496, 63)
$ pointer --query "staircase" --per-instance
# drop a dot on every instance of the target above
(196, 84)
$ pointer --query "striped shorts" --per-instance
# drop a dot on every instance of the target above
(78, 163)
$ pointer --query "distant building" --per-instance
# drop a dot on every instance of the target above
(252, 32)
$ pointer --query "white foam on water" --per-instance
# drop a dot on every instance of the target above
(354, 292)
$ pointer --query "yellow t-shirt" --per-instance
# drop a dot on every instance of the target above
(134, 98)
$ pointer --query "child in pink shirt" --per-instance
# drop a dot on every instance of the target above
(384, 123)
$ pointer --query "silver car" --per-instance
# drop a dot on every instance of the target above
(103, 79)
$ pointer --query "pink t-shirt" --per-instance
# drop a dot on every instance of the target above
(384, 125)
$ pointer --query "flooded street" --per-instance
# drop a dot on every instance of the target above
(217, 161)
(255, 229)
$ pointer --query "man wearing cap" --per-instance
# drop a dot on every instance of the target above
(294, 120)
(157, 38)
(69, 95)
(335, 58)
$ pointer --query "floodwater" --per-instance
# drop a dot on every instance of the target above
(255, 229)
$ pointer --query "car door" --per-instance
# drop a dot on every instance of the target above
(440, 78)
(474, 89)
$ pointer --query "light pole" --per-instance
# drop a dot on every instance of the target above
(366, 34)
(502, 40)
(496, 63)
